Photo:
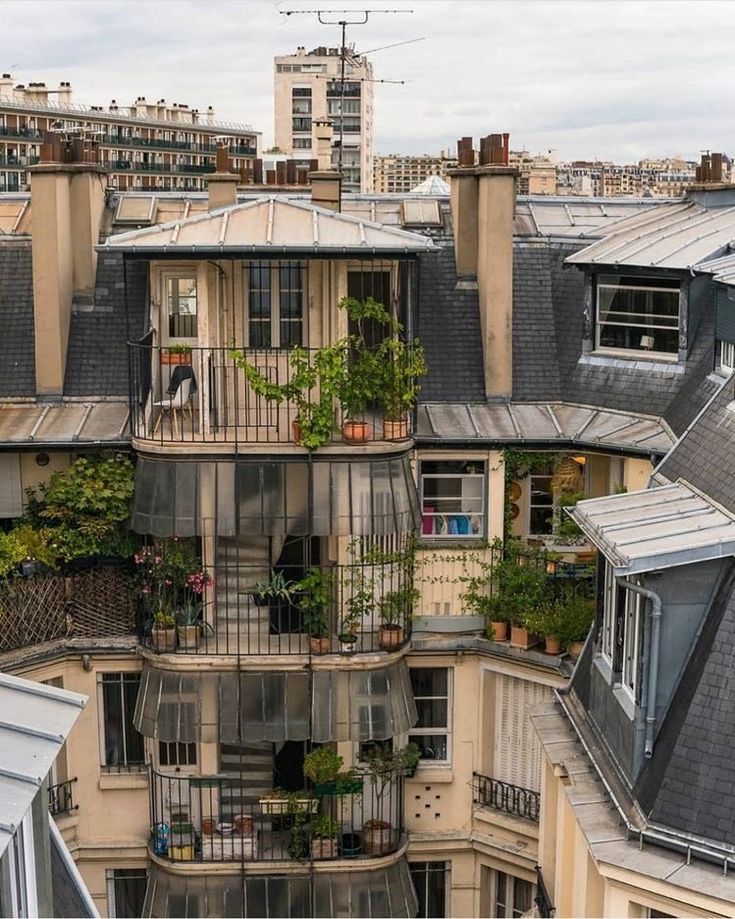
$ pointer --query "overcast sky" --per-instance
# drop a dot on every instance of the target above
(614, 79)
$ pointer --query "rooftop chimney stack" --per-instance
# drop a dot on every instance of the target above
(326, 183)
(222, 184)
(68, 202)
(483, 208)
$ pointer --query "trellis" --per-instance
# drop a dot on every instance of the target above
(96, 603)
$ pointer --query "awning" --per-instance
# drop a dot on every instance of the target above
(656, 528)
(61, 424)
(384, 892)
(326, 705)
(325, 497)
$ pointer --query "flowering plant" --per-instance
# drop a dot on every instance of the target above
(171, 580)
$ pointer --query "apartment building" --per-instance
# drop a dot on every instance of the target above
(341, 597)
(147, 145)
(309, 89)
(402, 173)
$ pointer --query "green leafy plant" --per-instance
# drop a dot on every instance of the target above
(567, 530)
(275, 588)
(12, 552)
(164, 620)
(400, 364)
(578, 615)
(178, 348)
(359, 604)
(323, 764)
(396, 606)
(325, 827)
(314, 597)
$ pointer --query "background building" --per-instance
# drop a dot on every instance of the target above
(144, 145)
(401, 173)
(308, 89)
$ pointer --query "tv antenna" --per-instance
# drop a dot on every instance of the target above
(361, 18)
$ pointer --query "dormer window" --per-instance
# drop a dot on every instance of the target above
(639, 315)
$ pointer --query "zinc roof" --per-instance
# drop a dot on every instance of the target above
(576, 218)
(35, 721)
(558, 422)
(722, 269)
(270, 224)
(656, 528)
(60, 423)
(677, 235)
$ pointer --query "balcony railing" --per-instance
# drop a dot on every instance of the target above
(61, 798)
(210, 819)
(519, 802)
(202, 395)
(370, 609)
(135, 166)
(120, 140)
(546, 908)
(21, 133)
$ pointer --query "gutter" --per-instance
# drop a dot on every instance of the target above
(652, 683)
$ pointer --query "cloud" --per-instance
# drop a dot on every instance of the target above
(612, 78)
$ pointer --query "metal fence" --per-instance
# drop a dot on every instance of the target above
(61, 798)
(514, 800)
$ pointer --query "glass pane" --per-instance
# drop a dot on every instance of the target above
(134, 740)
(111, 703)
(182, 307)
(521, 896)
(429, 681)
(129, 887)
(431, 746)
(432, 713)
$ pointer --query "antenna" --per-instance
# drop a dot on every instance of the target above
(364, 16)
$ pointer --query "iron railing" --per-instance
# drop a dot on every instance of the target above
(136, 166)
(370, 609)
(121, 140)
(546, 908)
(61, 798)
(514, 800)
(215, 819)
(201, 395)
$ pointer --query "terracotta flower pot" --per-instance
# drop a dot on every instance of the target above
(324, 848)
(208, 825)
(356, 432)
(376, 837)
(575, 648)
(499, 630)
(553, 644)
(520, 637)
(395, 430)
(164, 639)
(320, 645)
(390, 636)
(174, 358)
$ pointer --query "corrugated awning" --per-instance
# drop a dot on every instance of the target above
(558, 423)
(382, 892)
(62, 423)
(657, 528)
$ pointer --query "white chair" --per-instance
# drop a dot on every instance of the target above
(175, 401)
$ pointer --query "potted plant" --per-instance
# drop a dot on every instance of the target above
(279, 801)
(479, 600)
(314, 597)
(396, 609)
(579, 613)
(275, 588)
(324, 837)
(163, 632)
(176, 354)
(358, 605)
(400, 364)
(520, 584)
(384, 765)
(548, 620)
(189, 622)
(321, 767)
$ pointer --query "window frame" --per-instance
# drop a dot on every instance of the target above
(446, 732)
(275, 319)
(621, 633)
(173, 749)
(22, 868)
(727, 356)
(552, 506)
(423, 869)
(112, 906)
(510, 911)
(175, 274)
(125, 766)
(460, 476)
(639, 353)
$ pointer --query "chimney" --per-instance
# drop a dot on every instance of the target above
(210, 115)
(326, 183)
(63, 94)
(68, 200)
(222, 184)
(483, 208)
(6, 86)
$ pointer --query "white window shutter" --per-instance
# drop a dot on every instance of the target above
(517, 753)
(11, 492)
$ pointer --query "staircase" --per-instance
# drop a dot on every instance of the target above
(251, 768)
(240, 625)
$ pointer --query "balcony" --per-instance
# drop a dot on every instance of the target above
(502, 796)
(21, 133)
(119, 140)
(209, 819)
(362, 607)
(61, 798)
(133, 166)
(203, 395)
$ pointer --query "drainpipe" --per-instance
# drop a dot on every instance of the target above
(656, 612)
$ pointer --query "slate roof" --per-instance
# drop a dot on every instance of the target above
(17, 354)
(97, 359)
(688, 783)
(449, 327)
(704, 455)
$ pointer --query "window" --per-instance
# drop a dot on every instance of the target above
(301, 123)
(430, 882)
(122, 745)
(622, 627)
(431, 694)
(126, 892)
(276, 304)
(177, 754)
(727, 355)
(638, 314)
(302, 143)
(511, 896)
(181, 304)
(541, 505)
(21, 898)
(301, 106)
(452, 499)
